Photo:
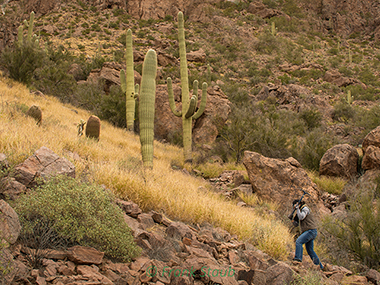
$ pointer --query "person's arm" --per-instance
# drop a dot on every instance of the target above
(301, 214)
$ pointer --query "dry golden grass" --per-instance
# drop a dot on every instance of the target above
(115, 161)
(332, 185)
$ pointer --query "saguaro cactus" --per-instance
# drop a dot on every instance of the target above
(188, 104)
(127, 80)
(146, 107)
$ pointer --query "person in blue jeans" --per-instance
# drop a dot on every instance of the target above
(308, 232)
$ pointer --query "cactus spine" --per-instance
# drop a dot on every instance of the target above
(146, 107)
(188, 104)
(127, 80)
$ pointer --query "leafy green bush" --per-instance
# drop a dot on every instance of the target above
(310, 151)
(80, 212)
(113, 107)
(22, 60)
(358, 230)
(312, 118)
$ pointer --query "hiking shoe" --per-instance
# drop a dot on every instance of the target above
(296, 262)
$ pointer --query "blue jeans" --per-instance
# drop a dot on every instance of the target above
(307, 238)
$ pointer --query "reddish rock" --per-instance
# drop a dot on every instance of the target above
(280, 273)
(85, 255)
(9, 223)
(179, 230)
(10, 188)
(279, 180)
(43, 163)
(341, 161)
(372, 138)
(146, 221)
(371, 158)
(91, 273)
(128, 207)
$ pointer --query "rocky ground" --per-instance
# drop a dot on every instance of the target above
(173, 252)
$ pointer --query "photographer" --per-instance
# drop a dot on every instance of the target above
(308, 226)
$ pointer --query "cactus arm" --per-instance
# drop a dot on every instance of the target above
(195, 89)
(137, 87)
(31, 26)
(123, 81)
(20, 35)
(130, 82)
(192, 107)
(171, 99)
(202, 105)
(183, 63)
(146, 107)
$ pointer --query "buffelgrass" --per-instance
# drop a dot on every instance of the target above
(115, 161)
(332, 185)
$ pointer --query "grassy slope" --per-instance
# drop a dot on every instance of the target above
(115, 162)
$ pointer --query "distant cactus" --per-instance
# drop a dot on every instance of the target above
(36, 113)
(350, 98)
(93, 127)
(188, 105)
(273, 29)
(146, 107)
(127, 80)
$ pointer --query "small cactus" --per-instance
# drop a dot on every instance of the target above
(273, 29)
(36, 113)
(147, 108)
(93, 127)
(350, 98)
(80, 127)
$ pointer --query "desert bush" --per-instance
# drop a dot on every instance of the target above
(358, 230)
(310, 150)
(312, 118)
(21, 61)
(343, 112)
(113, 107)
(267, 43)
(80, 213)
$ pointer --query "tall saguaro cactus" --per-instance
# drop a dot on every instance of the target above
(188, 104)
(146, 107)
(127, 80)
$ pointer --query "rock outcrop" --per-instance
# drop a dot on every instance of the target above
(279, 180)
(371, 150)
(340, 161)
(44, 163)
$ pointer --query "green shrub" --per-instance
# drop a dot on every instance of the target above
(310, 151)
(113, 107)
(22, 61)
(80, 212)
(312, 118)
(358, 230)
(343, 112)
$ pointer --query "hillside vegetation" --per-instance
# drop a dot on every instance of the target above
(115, 161)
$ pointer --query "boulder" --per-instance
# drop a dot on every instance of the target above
(43, 163)
(196, 56)
(372, 138)
(10, 188)
(373, 276)
(279, 274)
(340, 161)
(85, 255)
(178, 230)
(279, 180)
(9, 223)
(371, 158)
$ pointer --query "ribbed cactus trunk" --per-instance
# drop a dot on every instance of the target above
(187, 123)
(130, 87)
(146, 107)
